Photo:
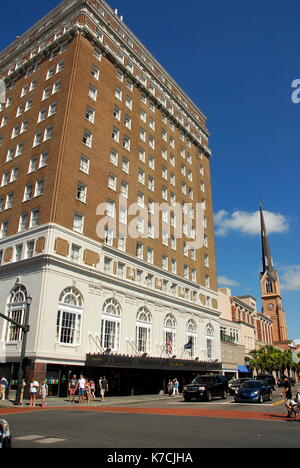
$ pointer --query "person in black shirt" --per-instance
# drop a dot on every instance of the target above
(287, 392)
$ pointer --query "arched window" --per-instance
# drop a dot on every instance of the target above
(71, 296)
(143, 330)
(210, 341)
(170, 321)
(210, 330)
(170, 335)
(112, 307)
(16, 309)
(111, 325)
(269, 286)
(69, 317)
(191, 346)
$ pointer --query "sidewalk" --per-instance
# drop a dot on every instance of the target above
(109, 401)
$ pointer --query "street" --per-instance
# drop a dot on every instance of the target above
(159, 423)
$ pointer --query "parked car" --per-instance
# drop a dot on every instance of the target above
(234, 385)
(253, 391)
(5, 437)
(206, 387)
(291, 380)
(268, 378)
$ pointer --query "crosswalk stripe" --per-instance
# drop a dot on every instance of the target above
(39, 439)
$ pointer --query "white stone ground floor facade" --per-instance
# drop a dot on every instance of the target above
(81, 309)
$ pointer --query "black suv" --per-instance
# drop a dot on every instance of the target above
(206, 387)
(268, 378)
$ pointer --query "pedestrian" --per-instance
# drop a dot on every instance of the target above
(103, 388)
(34, 388)
(81, 389)
(93, 389)
(287, 393)
(4, 387)
(88, 391)
(170, 387)
(72, 388)
(44, 393)
(22, 391)
(175, 387)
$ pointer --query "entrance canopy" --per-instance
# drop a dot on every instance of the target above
(136, 362)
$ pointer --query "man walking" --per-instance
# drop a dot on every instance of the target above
(72, 388)
(287, 392)
(103, 388)
(81, 389)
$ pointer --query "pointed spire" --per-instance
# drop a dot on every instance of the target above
(266, 251)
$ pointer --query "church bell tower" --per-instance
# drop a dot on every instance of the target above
(271, 295)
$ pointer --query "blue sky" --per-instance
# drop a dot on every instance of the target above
(237, 60)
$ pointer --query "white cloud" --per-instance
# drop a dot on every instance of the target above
(249, 223)
(290, 278)
(226, 282)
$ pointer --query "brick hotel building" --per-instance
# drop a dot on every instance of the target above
(91, 117)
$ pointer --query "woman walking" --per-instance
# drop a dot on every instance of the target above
(170, 388)
(88, 391)
(93, 389)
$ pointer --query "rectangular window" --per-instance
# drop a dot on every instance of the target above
(38, 139)
(126, 143)
(34, 219)
(47, 93)
(81, 193)
(112, 182)
(118, 93)
(93, 92)
(111, 208)
(29, 249)
(4, 229)
(52, 109)
(39, 187)
(9, 201)
(84, 164)
(68, 328)
(87, 138)
(95, 72)
(115, 134)
(125, 165)
(18, 252)
(75, 253)
(114, 157)
(28, 193)
(78, 222)
(90, 114)
(48, 133)
(110, 334)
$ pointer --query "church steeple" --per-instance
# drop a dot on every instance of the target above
(270, 287)
(267, 260)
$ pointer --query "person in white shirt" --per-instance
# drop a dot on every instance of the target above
(34, 387)
(81, 389)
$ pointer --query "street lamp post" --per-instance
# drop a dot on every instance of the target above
(25, 330)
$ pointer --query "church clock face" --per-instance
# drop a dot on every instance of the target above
(271, 306)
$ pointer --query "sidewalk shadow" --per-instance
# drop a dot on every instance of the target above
(284, 418)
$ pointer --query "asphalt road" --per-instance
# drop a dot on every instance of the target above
(70, 429)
